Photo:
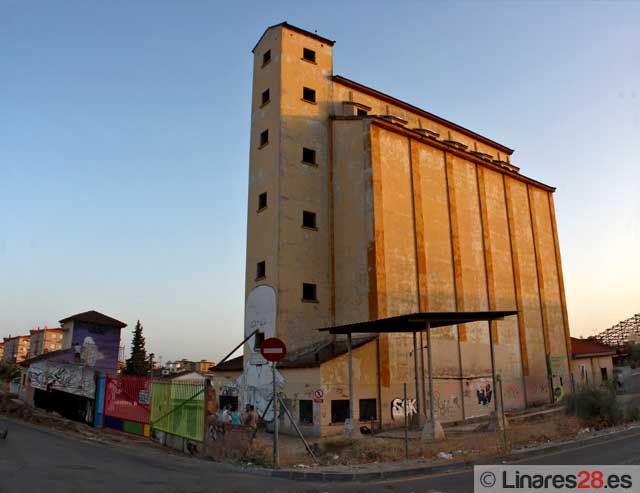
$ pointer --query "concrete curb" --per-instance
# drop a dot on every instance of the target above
(426, 470)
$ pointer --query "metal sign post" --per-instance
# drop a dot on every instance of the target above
(273, 349)
(276, 448)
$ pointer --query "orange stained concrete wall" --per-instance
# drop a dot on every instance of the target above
(353, 221)
(524, 259)
(478, 241)
(557, 333)
(501, 284)
(303, 253)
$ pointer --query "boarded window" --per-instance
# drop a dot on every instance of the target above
(339, 410)
(306, 412)
(309, 94)
(368, 410)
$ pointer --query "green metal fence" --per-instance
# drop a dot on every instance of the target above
(178, 408)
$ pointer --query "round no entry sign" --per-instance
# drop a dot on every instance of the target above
(273, 349)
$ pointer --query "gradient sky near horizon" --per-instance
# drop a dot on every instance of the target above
(124, 144)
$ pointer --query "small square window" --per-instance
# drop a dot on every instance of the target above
(309, 55)
(361, 112)
(306, 411)
(309, 292)
(308, 155)
(262, 201)
(368, 410)
(339, 410)
(264, 138)
(309, 94)
(265, 97)
(261, 270)
(266, 57)
(309, 219)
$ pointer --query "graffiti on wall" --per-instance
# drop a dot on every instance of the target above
(446, 406)
(484, 393)
(230, 390)
(398, 408)
(73, 379)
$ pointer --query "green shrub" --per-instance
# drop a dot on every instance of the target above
(597, 405)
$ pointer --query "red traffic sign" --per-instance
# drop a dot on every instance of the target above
(273, 349)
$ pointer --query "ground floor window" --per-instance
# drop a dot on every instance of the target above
(229, 401)
(306, 411)
(339, 410)
(368, 410)
(603, 372)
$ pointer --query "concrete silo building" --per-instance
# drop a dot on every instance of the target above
(362, 207)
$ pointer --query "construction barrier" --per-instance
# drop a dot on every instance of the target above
(127, 403)
(178, 407)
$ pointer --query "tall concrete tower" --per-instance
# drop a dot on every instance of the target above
(288, 240)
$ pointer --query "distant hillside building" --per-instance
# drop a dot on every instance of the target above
(16, 349)
(44, 341)
(362, 207)
(592, 361)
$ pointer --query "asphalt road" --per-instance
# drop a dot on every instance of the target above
(35, 460)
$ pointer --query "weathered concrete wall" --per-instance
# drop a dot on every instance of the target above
(527, 292)
(555, 330)
(438, 292)
(264, 168)
(335, 383)
(352, 220)
(500, 284)
(303, 252)
(472, 246)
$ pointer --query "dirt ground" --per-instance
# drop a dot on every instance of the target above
(466, 444)
(463, 443)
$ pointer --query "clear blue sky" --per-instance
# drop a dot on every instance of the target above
(124, 138)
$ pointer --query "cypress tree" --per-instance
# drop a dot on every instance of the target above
(137, 364)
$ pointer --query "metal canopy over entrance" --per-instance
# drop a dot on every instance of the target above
(414, 323)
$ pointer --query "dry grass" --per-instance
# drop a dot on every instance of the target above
(468, 445)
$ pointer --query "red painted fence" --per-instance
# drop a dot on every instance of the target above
(128, 398)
